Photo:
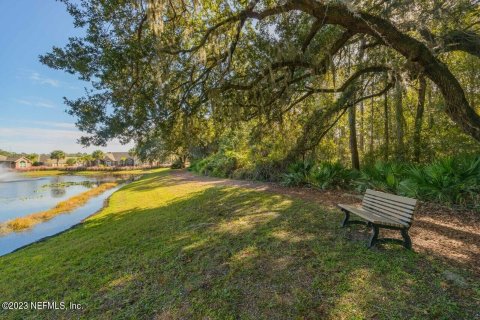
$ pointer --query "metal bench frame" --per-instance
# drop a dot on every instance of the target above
(385, 217)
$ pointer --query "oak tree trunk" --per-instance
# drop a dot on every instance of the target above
(419, 119)
(400, 147)
(386, 128)
(353, 138)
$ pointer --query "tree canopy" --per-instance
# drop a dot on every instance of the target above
(176, 75)
(57, 155)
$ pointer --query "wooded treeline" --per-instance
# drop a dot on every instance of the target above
(279, 81)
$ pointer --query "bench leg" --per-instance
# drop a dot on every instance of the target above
(347, 217)
(407, 242)
(347, 221)
(374, 237)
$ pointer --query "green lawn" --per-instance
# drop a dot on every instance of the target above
(170, 249)
(54, 172)
(42, 173)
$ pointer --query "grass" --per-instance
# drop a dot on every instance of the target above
(43, 173)
(114, 173)
(169, 249)
(28, 221)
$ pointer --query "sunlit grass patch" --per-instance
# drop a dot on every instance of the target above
(22, 223)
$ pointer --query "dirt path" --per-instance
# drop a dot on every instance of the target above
(452, 236)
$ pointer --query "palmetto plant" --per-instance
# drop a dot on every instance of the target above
(330, 175)
(454, 180)
(297, 174)
(383, 176)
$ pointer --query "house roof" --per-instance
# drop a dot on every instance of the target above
(16, 158)
(109, 157)
(45, 158)
(117, 156)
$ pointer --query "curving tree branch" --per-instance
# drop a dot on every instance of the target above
(456, 40)
(457, 106)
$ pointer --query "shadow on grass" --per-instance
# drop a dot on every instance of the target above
(229, 253)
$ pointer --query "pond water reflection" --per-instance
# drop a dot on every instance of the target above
(21, 197)
(13, 241)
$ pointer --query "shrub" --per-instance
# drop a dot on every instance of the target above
(330, 175)
(297, 174)
(453, 180)
(266, 170)
(177, 164)
(219, 165)
(224, 165)
(383, 176)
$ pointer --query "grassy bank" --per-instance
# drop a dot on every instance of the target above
(28, 221)
(169, 248)
(43, 173)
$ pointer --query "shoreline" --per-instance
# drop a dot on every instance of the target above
(105, 204)
(66, 206)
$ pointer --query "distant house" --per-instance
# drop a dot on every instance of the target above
(45, 160)
(120, 159)
(17, 162)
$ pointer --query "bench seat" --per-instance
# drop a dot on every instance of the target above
(372, 217)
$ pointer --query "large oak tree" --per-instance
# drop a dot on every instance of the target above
(156, 64)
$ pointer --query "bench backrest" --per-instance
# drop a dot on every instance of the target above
(390, 206)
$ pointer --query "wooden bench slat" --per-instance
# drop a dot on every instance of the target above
(400, 210)
(391, 202)
(396, 198)
(372, 217)
(387, 210)
(388, 214)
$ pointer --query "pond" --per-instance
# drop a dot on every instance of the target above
(21, 196)
(25, 196)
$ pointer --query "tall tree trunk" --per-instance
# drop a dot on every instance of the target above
(419, 118)
(400, 147)
(340, 148)
(352, 115)
(353, 138)
(386, 128)
(372, 119)
(362, 128)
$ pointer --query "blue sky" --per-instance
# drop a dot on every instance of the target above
(32, 113)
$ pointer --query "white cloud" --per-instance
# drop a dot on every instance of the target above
(65, 125)
(52, 124)
(42, 140)
(37, 78)
(36, 102)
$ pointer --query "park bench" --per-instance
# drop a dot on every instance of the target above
(383, 210)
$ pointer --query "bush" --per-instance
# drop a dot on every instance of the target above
(382, 176)
(454, 180)
(448, 181)
(266, 170)
(177, 164)
(297, 174)
(332, 175)
(218, 165)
